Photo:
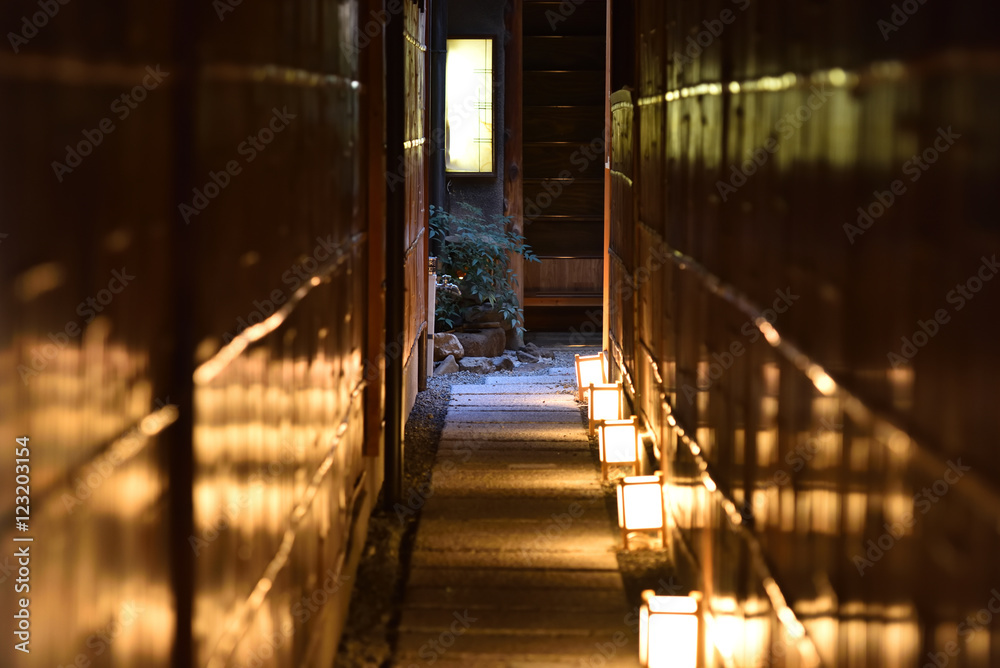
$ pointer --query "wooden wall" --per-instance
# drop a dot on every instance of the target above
(752, 310)
(199, 491)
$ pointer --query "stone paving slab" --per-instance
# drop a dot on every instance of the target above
(450, 448)
(507, 598)
(476, 431)
(519, 651)
(526, 622)
(577, 560)
(517, 536)
(569, 416)
(488, 459)
(514, 510)
(497, 577)
(547, 379)
(533, 388)
(530, 402)
(527, 482)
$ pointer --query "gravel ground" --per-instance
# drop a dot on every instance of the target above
(381, 580)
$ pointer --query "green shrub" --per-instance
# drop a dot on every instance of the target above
(475, 254)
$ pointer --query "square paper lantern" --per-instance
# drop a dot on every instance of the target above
(604, 402)
(590, 370)
(640, 508)
(669, 630)
(619, 444)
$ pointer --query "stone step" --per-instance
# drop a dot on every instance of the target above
(551, 483)
(591, 560)
(520, 650)
(522, 622)
(533, 541)
(526, 460)
(478, 431)
(569, 416)
(510, 388)
(521, 598)
(547, 379)
(515, 401)
(555, 578)
(458, 446)
(584, 509)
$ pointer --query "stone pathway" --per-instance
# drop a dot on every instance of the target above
(514, 561)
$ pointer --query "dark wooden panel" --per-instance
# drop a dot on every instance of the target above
(564, 53)
(567, 124)
(563, 197)
(571, 319)
(565, 237)
(563, 88)
(550, 160)
(572, 17)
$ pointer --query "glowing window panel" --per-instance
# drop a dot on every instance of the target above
(469, 107)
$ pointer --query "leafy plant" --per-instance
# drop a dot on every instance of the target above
(476, 251)
(448, 307)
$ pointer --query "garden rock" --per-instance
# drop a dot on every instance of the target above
(527, 357)
(504, 364)
(447, 344)
(449, 365)
(476, 364)
(487, 342)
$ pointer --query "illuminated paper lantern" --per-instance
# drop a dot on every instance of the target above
(604, 402)
(669, 630)
(590, 370)
(641, 512)
(619, 444)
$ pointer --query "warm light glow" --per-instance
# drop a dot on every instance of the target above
(618, 442)
(668, 630)
(590, 370)
(469, 106)
(640, 505)
(604, 402)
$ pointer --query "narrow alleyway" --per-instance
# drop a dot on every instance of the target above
(514, 561)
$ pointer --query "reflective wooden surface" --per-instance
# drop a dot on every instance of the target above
(809, 467)
(196, 426)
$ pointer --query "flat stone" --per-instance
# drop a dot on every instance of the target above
(519, 650)
(463, 445)
(531, 380)
(487, 342)
(586, 510)
(573, 417)
(485, 577)
(446, 366)
(449, 558)
(534, 402)
(521, 598)
(553, 483)
(510, 388)
(518, 432)
(527, 622)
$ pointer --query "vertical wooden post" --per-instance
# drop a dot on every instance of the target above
(373, 129)
(513, 193)
(606, 301)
